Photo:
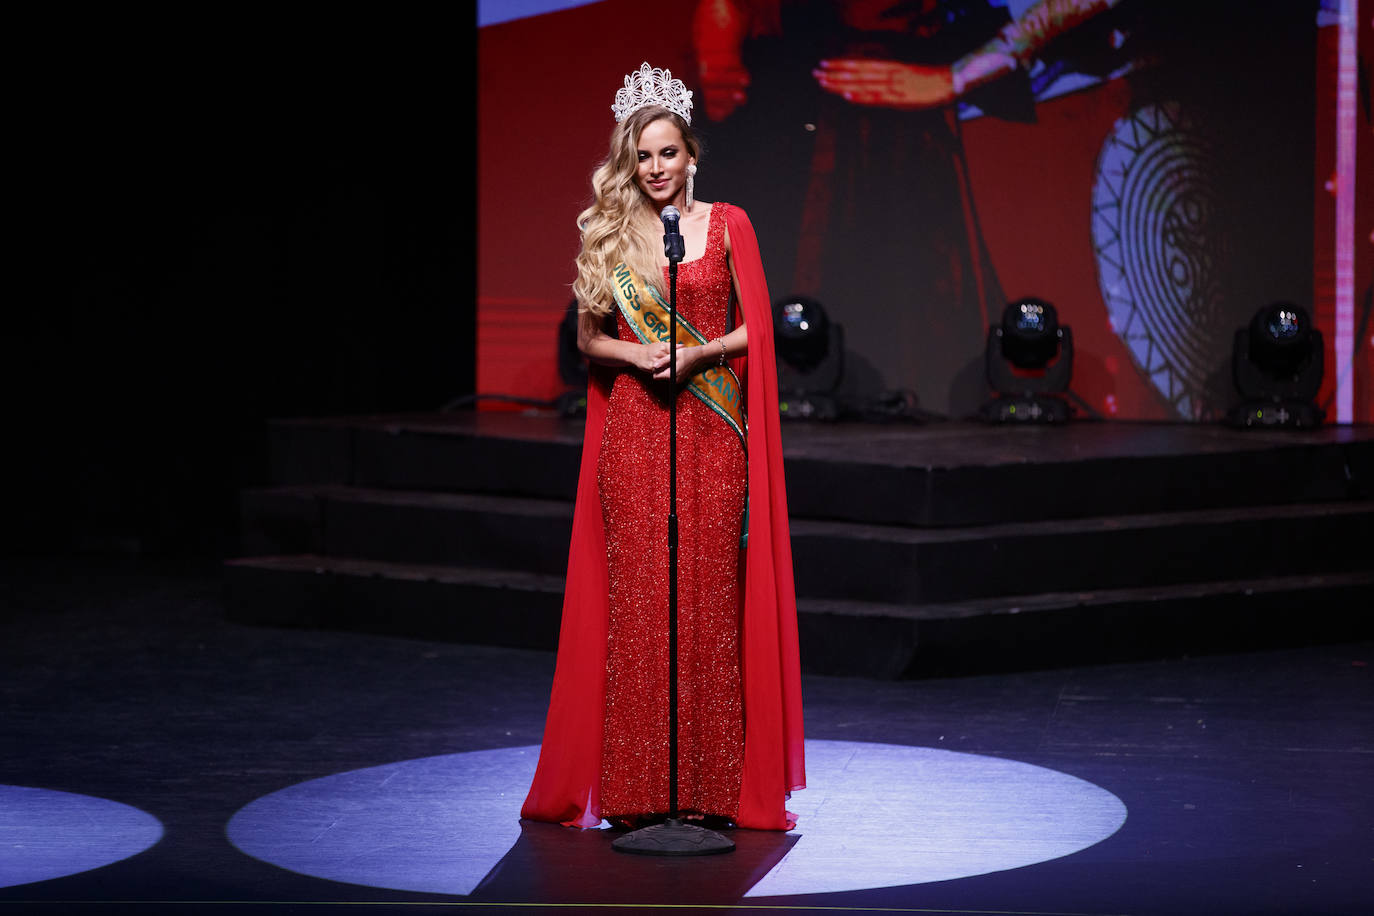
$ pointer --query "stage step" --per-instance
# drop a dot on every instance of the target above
(947, 474)
(464, 529)
(447, 603)
(952, 547)
(839, 637)
(882, 563)
(1088, 627)
(914, 565)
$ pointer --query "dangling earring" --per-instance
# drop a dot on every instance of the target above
(691, 182)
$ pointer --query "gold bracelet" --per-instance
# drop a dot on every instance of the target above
(721, 341)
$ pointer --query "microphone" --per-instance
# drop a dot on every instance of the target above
(674, 248)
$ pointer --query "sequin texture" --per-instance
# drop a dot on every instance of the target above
(633, 480)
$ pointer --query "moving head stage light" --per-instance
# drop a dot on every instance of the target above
(1277, 364)
(810, 349)
(1028, 339)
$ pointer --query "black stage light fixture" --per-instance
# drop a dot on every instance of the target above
(802, 331)
(1277, 363)
(810, 350)
(1029, 338)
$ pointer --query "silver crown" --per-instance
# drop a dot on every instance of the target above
(652, 86)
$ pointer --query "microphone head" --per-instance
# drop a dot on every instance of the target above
(670, 216)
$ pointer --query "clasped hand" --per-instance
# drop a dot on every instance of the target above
(654, 360)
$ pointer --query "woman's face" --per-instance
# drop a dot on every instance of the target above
(663, 161)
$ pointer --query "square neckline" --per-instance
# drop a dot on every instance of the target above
(710, 228)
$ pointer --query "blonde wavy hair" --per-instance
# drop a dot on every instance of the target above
(621, 225)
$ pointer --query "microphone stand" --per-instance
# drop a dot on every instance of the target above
(673, 837)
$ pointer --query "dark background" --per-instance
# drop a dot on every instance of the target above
(224, 221)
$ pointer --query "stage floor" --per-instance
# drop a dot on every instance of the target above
(194, 765)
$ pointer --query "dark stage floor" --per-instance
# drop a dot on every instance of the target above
(1225, 784)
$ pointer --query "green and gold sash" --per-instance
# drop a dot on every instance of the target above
(649, 317)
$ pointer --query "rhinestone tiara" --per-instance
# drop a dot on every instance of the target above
(652, 86)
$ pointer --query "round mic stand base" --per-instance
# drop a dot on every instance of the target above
(673, 837)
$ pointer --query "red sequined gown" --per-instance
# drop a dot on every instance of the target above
(632, 474)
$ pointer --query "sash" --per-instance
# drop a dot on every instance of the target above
(649, 317)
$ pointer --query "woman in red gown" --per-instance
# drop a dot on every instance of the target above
(605, 748)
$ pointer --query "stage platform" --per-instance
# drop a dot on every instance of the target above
(919, 549)
(162, 760)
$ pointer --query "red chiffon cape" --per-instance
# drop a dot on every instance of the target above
(568, 777)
